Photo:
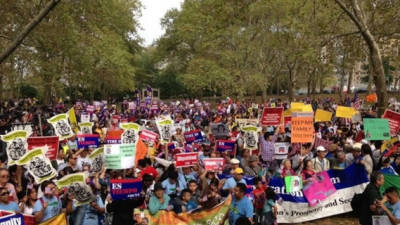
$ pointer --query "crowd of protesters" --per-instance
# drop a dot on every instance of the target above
(192, 188)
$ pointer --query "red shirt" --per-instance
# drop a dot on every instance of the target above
(149, 170)
(259, 197)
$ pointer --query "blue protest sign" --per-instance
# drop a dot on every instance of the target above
(193, 136)
(12, 219)
(225, 145)
(88, 141)
(125, 189)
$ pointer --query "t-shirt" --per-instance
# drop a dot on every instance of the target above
(11, 206)
(169, 188)
(394, 209)
(231, 183)
(52, 210)
(90, 215)
(268, 205)
(240, 208)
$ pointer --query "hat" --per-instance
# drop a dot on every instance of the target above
(158, 186)
(235, 161)
(238, 171)
(357, 146)
(253, 158)
(321, 148)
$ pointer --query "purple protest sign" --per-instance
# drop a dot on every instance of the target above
(225, 146)
(193, 136)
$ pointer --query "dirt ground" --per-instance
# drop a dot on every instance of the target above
(344, 219)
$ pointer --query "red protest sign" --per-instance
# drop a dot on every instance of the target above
(394, 121)
(186, 159)
(51, 142)
(322, 142)
(271, 116)
(148, 136)
(213, 164)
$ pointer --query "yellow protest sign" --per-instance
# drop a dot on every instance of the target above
(307, 108)
(72, 120)
(322, 116)
(296, 106)
(287, 113)
(345, 112)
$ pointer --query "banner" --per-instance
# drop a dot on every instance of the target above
(293, 183)
(114, 136)
(212, 216)
(165, 127)
(125, 189)
(271, 116)
(76, 184)
(193, 136)
(376, 129)
(86, 141)
(72, 120)
(319, 189)
(281, 150)
(250, 137)
(394, 121)
(120, 156)
(186, 159)
(39, 166)
(323, 116)
(213, 164)
(294, 207)
(58, 220)
(130, 134)
(50, 141)
(225, 145)
(13, 219)
(302, 129)
(86, 127)
(148, 136)
(17, 145)
(97, 158)
(345, 112)
(220, 130)
(61, 126)
(390, 181)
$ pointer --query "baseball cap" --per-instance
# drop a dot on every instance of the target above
(238, 171)
(321, 148)
(235, 161)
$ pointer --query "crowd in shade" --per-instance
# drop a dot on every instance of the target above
(247, 159)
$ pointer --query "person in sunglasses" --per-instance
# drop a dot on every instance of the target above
(5, 203)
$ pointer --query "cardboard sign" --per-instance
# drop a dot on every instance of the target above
(345, 112)
(120, 156)
(193, 136)
(307, 108)
(220, 130)
(213, 164)
(51, 143)
(394, 121)
(125, 189)
(296, 106)
(85, 117)
(302, 129)
(166, 128)
(293, 183)
(250, 137)
(86, 141)
(13, 219)
(381, 220)
(186, 159)
(320, 189)
(376, 129)
(148, 136)
(114, 136)
(281, 150)
(271, 116)
(243, 122)
(322, 116)
(225, 145)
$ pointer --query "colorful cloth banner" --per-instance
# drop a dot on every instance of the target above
(61, 126)
(193, 136)
(319, 189)
(376, 129)
(302, 129)
(50, 141)
(323, 116)
(125, 189)
(76, 184)
(225, 145)
(130, 134)
(186, 159)
(271, 116)
(86, 141)
(17, 145)
(213, 164)
(293, 184)
(120, 156)
(250, 137)
(394, 121)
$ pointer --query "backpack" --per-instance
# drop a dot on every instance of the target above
(356, 204)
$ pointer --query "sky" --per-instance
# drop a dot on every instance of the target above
(152, 12)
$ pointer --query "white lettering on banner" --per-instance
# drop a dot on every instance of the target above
(338, 203)
(13, 221)
(187, 158)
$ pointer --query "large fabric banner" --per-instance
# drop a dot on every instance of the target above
(294, 207)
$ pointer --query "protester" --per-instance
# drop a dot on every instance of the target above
(241, 206)
(28, 201)
(5, 203)
(320, 163)
(390, 204)
(253, 169)
(160, 200)
(371, 198)
(231, 183)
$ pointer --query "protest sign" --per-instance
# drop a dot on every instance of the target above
(220, 130)
(394, 121)
(345, 112)
(243, 122)
(322, 116)
(61, 126)
(13, 219)
(186, 159)
(23, 126)
(17, 144)
(50, 141)
(322, 142)
(372, 98)
(114, 136)
(85, 117)
(39, 166)
(296, 106)
(376, 129)
(320, 188)
(381, 220)
(130, 134)
(28, 219)
(225, 145)
(213, 164)
(165, 127)
(72, 120)
(77, 186)
(86, 127)
(307, 108)
(132, 105)
(281, 150)
(97, 158)
(119, 156)
(125, 189)
(302, 129)
(293, 183)
(294, 207)
(287, 120)
(86, 141)
(148, 136)
(271, 116)
(250, 137)
(193, 136)
(90, 109)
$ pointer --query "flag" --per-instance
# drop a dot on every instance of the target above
(58, 220)
(356, 101)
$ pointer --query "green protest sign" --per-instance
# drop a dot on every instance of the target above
(120, 156)
(376, 129)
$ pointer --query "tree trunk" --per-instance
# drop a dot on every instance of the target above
(350, 82)
(321, 83)
(370, 78)
(341, 84)
(291, 85)
(264, 94)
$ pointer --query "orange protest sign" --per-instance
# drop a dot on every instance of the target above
(302, 129)
(372, 98)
